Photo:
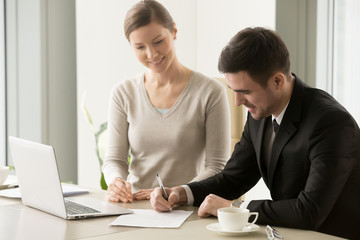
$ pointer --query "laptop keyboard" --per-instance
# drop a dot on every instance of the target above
(73, 208)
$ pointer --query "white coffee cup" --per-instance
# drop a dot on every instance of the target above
(235, 219)
(4, 172)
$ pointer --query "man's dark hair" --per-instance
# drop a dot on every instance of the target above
(258, 51)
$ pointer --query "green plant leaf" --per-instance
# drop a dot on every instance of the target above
(102, 182)
(101, 142)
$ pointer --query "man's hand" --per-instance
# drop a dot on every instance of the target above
(143, 194)
(211, 204)
(177, 196)
(119, 191)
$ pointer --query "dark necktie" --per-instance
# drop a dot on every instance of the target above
(276, 126)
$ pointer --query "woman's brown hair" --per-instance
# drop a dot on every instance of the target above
(145, 12)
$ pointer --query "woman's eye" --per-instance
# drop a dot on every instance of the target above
(160, 41)
(140, 47)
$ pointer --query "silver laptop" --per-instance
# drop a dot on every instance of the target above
(40, 186)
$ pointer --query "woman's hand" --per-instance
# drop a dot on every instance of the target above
(211, 204)
(119, 191)
(143, 194)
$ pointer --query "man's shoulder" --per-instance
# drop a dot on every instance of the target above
(313, 101)
(320, 102)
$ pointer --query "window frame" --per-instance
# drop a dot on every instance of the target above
(3, 133)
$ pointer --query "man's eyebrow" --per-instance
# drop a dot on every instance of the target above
(239, 90)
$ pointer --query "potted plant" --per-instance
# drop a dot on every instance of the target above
(100, 141)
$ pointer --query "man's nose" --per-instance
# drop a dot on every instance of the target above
(239, 99)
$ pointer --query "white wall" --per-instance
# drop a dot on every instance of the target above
(218, 21)
(103, 55)
(105, 58)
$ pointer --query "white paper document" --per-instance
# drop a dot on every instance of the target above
(152, 218)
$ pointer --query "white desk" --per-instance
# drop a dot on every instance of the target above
(20, 222)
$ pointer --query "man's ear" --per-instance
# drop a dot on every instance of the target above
(278, 80)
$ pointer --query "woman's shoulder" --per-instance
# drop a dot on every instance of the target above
(206, 83)
(128, 85)
(127, 89)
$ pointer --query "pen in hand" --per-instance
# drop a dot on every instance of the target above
(165, 196)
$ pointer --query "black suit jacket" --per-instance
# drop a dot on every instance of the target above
(314, 171)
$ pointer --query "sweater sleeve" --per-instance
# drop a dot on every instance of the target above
(116, 158)
(217, 134)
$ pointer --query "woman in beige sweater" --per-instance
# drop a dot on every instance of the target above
(172, 120)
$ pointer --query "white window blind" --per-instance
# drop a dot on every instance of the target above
(346, 64)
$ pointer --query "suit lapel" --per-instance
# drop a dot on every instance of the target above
(259, 145)
(283, 136)
(287, 128)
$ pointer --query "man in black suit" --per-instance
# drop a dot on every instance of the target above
(309, 159)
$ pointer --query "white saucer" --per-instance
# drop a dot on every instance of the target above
(217, 228)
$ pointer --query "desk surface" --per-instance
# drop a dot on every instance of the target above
(20, 222)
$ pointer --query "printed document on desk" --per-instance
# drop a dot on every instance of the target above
(152, 218)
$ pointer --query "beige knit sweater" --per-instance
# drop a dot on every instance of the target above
(190, 142)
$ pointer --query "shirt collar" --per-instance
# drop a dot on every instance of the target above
(279, 118)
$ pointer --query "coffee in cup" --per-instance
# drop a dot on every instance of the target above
(235, 219)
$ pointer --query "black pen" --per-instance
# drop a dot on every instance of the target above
(162, 188)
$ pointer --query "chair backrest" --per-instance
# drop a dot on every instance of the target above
(237, 115)
(237, 119)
